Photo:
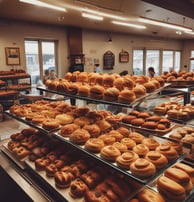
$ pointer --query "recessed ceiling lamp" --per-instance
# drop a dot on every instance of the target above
(129, 25)
(43, 4)
(164, 24)
(94, 17)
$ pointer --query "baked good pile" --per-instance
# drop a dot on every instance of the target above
(109, 87)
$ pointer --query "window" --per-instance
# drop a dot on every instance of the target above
(40, 55)
(192, 62)
(152, 60)
(177, 61)
(137, 62)
(167, 61)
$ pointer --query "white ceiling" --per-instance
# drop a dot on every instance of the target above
(132, 9)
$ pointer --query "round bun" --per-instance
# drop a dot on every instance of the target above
(97, 92)
(50, 124)
(84, 90)
(147, 195)
(82, 77)
(93, 129)
(121, 147)
(151, 143)
(141, 150)
(128, 142)
(108, 80)
(158, 159)
(142, 168)
(126, 96)
(110, 153)
(125, 159)
(168, 151)
(64, 119)
(79, 136)
(137, 137)
(111, 94)
(118, 83)
(94, 144)
(139, 91)
(128, 83)
(66, 130)
(150, 87)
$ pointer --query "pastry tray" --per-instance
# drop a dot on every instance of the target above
(153, 186)
(38, 127)
(188, 148)
(135, 102)
(50, 180)
(183, 83)
(155, 131)
(19, 162)
(114, 166)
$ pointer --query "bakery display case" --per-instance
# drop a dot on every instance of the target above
(69, 145)
(56, 133)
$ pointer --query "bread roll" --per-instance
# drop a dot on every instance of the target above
(126, 96)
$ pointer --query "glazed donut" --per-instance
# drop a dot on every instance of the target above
(50, 124)
(109, 153)
(158, 159)
(63, 179)
(151, 143)
(66, 130)
(121, 147)
(141, 150)
(142, 168)
(137, 137)
(13, 144)
(77, 188)
(128, 142)
(94, 144)
(79, 136)
(125, 159)
(168, 151)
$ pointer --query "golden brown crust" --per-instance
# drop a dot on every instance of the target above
(142, 168)
(150, 195)
(141, 150)
(79, 136)
(158, 159)
(124, 160)
(150, 143)
(94, 144)
(167, 151)
(110, 153)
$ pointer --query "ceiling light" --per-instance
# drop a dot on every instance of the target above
(94, 17)
(42, 4)
(96, 12)
(191, 32)
(129, 25)
(164, 24)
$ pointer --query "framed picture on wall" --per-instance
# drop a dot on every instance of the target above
(123, 56)
(12, 56)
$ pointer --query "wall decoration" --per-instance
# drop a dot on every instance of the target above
(108, 60)
(12, 56)
(124, 56)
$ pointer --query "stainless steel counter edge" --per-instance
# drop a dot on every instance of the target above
(26, 185)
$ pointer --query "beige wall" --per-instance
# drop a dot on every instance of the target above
(95, 44)
(12, 34)
(188, 46)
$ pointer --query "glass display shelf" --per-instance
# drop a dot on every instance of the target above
(119, 104)
(55, 134)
